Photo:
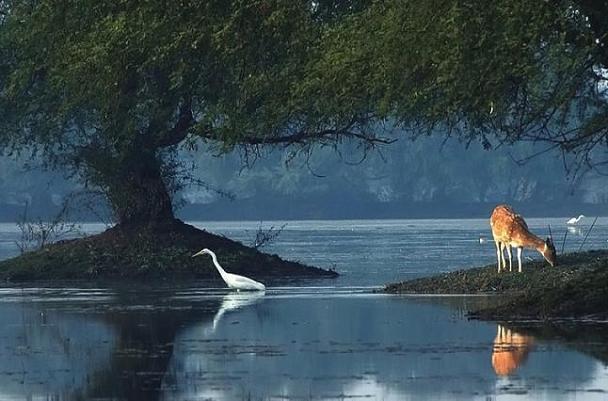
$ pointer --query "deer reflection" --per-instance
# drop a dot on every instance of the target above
(510, 350)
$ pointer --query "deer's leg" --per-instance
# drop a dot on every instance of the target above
(502, 255)
(510, 254)
(498, 252)
(519, 250)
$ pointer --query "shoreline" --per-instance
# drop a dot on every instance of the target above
(577, 288)
(154, 253)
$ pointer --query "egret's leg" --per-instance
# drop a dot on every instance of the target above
(519, 249)
(498, 253)
(510, 253)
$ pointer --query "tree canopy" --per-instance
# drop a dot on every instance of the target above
(505, 71)
(109, 88)
(147, 74)
(104, 87)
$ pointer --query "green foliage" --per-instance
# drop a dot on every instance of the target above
(117, 74)
(103, 86)
(508, 70)
(120, 74)
(109, 88)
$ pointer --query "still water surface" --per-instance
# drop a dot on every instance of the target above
(313, 340)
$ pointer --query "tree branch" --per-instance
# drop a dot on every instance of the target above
(178, 133)
(305, 136)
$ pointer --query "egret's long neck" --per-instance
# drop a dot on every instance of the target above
(217, 265)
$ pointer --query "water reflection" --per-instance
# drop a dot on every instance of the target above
(75, 348)
(365, 346)
(146, 327)
(291, 344)
(510, 350)
(235, 301)
(588, 337)
(49, 354)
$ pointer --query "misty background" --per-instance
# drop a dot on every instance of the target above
(428, 177)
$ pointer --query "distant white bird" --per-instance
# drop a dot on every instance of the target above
(482, 240)
(575, 220)
(233, 280)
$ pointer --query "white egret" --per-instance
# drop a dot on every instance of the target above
(232, 280)
(575, 220)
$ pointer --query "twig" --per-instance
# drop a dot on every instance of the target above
(586, 235)
(564, 241)
(37, 233)
(264, 237)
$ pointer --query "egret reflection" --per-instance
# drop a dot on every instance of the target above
(575, 230)
(235, 301)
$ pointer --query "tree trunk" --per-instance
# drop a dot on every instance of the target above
(137, 192)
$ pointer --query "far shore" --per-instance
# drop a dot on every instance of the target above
(321, 209)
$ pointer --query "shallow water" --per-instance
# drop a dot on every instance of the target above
(329, 339)
(375, 252)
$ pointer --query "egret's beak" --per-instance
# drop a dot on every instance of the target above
(198, 254)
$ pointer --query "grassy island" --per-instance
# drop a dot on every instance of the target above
(576, 288)
(158, 251)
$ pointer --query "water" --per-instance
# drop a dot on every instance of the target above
(319, 340)
(375, 252)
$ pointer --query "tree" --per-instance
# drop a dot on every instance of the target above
(494, 72)
(110, 89)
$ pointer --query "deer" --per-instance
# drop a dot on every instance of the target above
(509, 230)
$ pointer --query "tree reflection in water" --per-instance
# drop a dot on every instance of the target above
(188, 343)
(76, 344)
(145, 343)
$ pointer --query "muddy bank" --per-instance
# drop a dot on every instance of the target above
(161, 251)
(577, 287)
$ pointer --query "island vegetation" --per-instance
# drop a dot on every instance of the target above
(576, 288)
(109, 92)
(154, 252)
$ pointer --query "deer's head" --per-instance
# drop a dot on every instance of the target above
(549, 252)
